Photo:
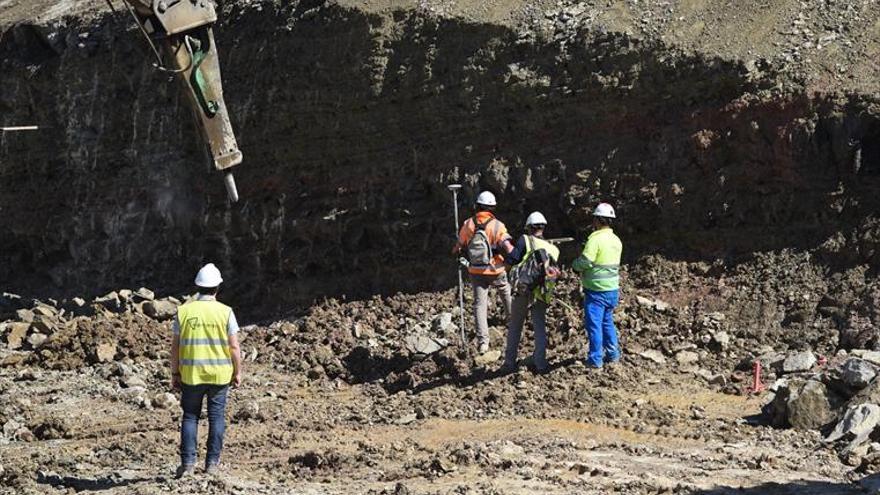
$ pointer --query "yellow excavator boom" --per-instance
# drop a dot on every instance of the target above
(181, 36)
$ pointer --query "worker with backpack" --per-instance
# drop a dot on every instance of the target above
(533, 277)
(484, 240)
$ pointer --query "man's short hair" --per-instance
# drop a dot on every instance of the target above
(604, 221)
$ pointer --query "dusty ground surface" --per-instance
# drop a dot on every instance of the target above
(326, 437)
(337, 401)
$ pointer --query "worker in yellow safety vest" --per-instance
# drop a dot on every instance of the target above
(537, 291)
(599, 266)
(205, 361)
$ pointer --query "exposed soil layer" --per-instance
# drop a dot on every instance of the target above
(353, 120)
(742, 157)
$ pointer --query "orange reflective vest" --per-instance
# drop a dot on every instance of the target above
(497, 233)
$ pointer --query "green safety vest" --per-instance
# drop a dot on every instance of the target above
(543, 292)
(599, 264)
(205, 357)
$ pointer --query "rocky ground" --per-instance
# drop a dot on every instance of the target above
(738, 141)
(377, 396)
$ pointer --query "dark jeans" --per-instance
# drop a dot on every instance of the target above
(191, 403)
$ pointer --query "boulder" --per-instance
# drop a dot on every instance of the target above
(45, 325)
(769, 360)
(105, 352)
(110, 302)
(78, 306)
(36, 340)
(722, 339)
(799, 362)
(161, 309)
(406, 419)
(133, 394)
(857, 424)
(24, 315)
(424, 345)
(15, 334)
(869, 356)
(143, 294)
(711, 378)
(653, 355)
(249, 411)
(655, 304)
(857, 373)
(812, 406)
(687, 358)
(125, 295)
(444, 324)
(133, 381)
(487, 358)
(10, 427)
(164, 401)
(44, 310)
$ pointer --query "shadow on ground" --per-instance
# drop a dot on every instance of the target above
(869, 484)
(80, 484)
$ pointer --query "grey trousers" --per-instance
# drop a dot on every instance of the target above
(519, 310)
(481, 284)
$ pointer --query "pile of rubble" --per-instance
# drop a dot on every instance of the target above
(840, 398)
(69, 333)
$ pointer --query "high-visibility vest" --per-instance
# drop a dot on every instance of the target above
(599, 263)
(205, 357)
(496, 231)
(543, 292)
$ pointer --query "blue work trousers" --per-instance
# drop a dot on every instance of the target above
(191, 403)
(599, 323)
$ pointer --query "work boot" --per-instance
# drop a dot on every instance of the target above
(484, 348)
(507, 369)
(185, 471)
(539, 370)
(212, 469)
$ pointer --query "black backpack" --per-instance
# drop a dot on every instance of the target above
(530, 273)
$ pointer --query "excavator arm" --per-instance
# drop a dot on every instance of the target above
(181, 37)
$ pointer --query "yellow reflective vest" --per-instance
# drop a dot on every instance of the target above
(543, 292)
(599, 264)
(205, 357)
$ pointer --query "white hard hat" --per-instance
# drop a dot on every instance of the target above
(209, 276)
(536, 218)
(486, 199)
(604, 210)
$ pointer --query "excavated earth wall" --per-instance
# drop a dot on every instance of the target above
(352, 123)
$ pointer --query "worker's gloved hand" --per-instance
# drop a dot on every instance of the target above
(175, 381)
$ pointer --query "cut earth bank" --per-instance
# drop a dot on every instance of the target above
(750, 226)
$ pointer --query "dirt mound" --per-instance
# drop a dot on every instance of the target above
(71, 334)
(552, 107)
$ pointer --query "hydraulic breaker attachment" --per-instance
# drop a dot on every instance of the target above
(181, 37)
